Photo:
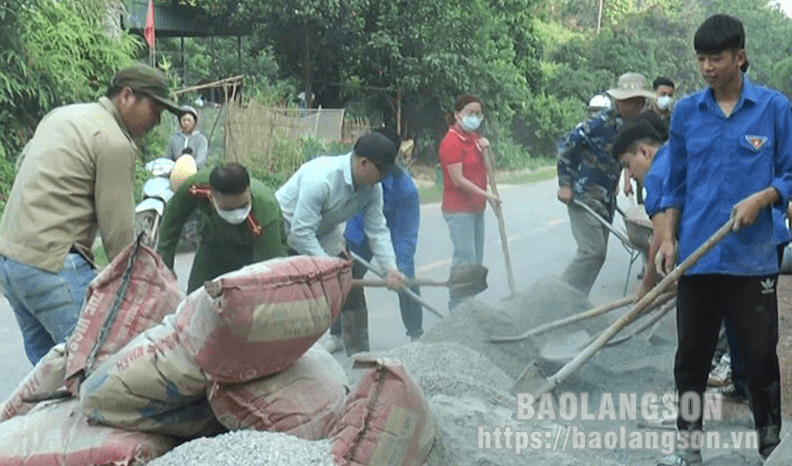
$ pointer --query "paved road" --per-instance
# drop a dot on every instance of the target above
(540, 243)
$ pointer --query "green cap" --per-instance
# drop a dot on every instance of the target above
(148, 80)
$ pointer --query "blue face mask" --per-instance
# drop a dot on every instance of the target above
(471, 122)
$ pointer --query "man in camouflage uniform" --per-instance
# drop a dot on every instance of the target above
(588, 172)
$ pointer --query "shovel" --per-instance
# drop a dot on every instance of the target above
(531, 380)
(560, 351)
(490, 163)
(466, 280)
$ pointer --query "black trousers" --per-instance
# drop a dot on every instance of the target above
(750, 304)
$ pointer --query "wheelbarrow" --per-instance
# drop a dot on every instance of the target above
(638, 234)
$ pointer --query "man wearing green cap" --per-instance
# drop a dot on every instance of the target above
(76, 177)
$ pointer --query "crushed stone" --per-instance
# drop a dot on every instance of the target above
(454, 370)
(249, 448)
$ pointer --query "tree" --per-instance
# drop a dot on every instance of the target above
(57, 52)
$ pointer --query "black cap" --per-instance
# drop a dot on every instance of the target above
(380, 150)
(629, 134)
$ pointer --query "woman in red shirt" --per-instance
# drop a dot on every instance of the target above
(465, 193)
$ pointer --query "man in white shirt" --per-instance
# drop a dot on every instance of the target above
(327, 191)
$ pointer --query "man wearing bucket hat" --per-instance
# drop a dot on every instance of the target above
(587, 172)
(327, 191)
(189, 136)
(76, 176)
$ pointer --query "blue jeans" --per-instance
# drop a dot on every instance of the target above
(467, 234)
(46, 305)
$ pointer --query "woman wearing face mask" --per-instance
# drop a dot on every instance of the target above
(465, 193)
(239, 219)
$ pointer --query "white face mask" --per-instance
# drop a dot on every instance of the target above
(471, 122)
(233, 216)
(664, 102)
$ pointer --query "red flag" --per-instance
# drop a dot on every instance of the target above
(148, 31)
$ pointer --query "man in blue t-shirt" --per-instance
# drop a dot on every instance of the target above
(729, 155)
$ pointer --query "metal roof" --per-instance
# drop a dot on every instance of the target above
(174, 21)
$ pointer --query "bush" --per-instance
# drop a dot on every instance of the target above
(544, 119)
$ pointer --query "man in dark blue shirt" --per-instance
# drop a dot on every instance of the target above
(730, 155)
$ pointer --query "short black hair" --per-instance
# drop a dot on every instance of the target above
(662, 81)
(632, 134)
(187, 150)
(719, 33)
(231, 178)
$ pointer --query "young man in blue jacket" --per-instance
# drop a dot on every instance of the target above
(730, 155)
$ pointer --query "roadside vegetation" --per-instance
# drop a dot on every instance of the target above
(535, 63)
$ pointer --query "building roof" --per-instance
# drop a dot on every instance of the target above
(175, 21)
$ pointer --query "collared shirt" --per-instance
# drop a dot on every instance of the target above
(320, 197)
(230, 246)
(655, 181)
(402, 209)
(715, 162)
(462, 148)
(76, 176)
(586, 165)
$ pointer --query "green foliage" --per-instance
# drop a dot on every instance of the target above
(544, 119)
(53, 53)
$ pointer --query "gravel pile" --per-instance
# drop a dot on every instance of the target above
(248, 448)
(454, 370)
(472, 323)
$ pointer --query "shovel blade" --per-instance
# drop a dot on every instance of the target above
(532, 381)
(467, 280)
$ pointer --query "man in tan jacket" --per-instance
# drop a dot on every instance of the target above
(76, 176)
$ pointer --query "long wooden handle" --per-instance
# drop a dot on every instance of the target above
(489, 160)
(594, 312)
(638, 308)
(357, 282)
(410, 293)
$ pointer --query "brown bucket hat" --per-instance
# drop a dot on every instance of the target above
(631, 85)
(147, 80)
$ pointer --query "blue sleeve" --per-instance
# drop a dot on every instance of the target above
(782, 180)
(353, 233)
(403, 223)
(674, 196)
(655, 182)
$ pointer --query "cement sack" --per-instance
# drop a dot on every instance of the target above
(57, 434)
(151, 292)
(47, 376)
(302, 400)
(263, 316)
(151, 385)
(387, 421)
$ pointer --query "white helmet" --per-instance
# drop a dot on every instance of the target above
(598, 102)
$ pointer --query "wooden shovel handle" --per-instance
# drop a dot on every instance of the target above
(637, 309)
(357, 282)
(594, 312)
(490, 164)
